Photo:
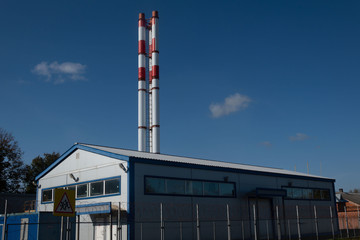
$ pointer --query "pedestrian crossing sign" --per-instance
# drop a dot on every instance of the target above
(64, 202)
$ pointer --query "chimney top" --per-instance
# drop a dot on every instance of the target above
(141, 16)
(155, 14)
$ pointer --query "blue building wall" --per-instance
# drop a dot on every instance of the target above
(41, 226)
(14, 225)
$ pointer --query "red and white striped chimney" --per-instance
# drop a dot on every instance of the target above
(153, 87)
(150, 92)
(155, 127)
(141, 83)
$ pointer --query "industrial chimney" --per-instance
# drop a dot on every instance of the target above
(141, 84)
(152, 111)
(155, 127)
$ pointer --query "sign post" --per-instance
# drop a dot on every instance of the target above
(64, 203)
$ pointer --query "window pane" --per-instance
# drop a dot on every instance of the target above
(154, 185)
(47, 195)
(297, 193)
(174, 186)
(194, 188)
(307, 193)
(317, 194)
(325, 194)
(82, 190)
(289, 192)
(71, 188)
(112, 186)
(96, 188)
(227, 189)
(211, 189)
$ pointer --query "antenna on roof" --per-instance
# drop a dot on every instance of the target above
(307, 164)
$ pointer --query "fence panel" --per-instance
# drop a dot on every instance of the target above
(258, 220)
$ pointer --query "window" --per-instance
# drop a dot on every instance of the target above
(112, 186)
(47, 195)
(298, 193)
(317, 194)
(155, 185)
(187, 187)
(175, 186)
(227, 189)
(96, 188)
(194, 188)
(325, 194)
(211, 189)
(289, 192)
(307, 193)
(82, 191)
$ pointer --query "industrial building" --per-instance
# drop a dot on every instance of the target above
(142, 182)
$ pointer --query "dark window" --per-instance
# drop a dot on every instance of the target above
(211, 189)
(289, 192)
(194, 188)
(47, 195)
(325, 194)
(82, 190)
(298, 193)
(154, 185)
(187, 187)
(174, 186)
(71, 188)
(317, 194)
(307, 193)
(96, 188)
(112, 186)
(227, 189)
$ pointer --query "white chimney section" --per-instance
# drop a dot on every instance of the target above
(155, 127)
(141, 84)
(153, 88)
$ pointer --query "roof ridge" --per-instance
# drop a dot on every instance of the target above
(171, 155)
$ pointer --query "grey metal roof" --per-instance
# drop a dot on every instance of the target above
(203, 162)
(339, 198)
(352, 197)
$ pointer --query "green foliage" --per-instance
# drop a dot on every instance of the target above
(38, 165)
(11, 165)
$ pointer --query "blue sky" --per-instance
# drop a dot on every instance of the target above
(271, 83)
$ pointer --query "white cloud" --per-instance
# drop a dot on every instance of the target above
(60, 72)
(266, 144)
(42, 69)
(232, 103)
(298, 137)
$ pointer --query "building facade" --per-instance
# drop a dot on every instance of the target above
(183, 198)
